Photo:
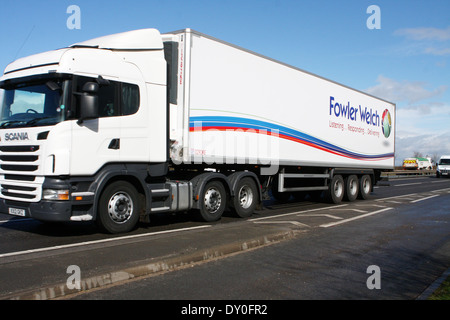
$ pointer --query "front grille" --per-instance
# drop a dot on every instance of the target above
(19, 169)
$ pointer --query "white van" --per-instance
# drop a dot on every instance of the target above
(443, 167)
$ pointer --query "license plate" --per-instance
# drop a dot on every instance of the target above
(17, 212)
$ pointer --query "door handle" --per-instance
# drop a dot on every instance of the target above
(114, 144)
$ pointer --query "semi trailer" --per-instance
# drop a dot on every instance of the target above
(120, 127)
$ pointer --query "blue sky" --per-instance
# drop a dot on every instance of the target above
(406, 61)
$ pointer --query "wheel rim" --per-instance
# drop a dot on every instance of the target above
(366, 185)
(338, 189)
(245, 197)
(120, 207)
(353, 187)
(213, 200)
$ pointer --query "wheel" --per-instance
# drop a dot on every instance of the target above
(365, 187)
(351, 188)
(245, 197)
(214, 201)
(335, 191)
(118, 208)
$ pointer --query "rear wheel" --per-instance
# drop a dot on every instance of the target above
(335, 191)
(214, 201)
(351, 188)
(245, 197)
(118, 208)
(365, 187)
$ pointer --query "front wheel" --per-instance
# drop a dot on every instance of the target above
(118, 208)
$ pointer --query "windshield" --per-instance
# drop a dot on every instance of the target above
(444, 161)
(34, 104)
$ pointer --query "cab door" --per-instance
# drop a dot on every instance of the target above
(96, 142)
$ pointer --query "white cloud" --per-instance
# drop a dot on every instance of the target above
(432, 41)
(405, 91)
(438, 51)
(422, 128)
(421, 34)
(432, 145)
(421, 125)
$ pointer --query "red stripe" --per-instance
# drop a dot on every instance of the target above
(201, 129)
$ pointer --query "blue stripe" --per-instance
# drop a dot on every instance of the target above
(246, 123)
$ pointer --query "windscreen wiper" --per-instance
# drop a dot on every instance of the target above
(8, 123)
(36, 120)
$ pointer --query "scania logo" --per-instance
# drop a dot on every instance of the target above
(16, 136)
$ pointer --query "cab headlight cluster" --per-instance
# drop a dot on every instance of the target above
(55, 194)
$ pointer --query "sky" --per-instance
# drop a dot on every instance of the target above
(400, 52)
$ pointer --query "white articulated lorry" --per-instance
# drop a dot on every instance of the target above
(120, 127)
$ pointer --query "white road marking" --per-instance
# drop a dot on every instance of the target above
(356, 210)
(72, 245)
(332, 224)
(426, 198)
(407, 184)
(290, 222)
(394, 197)
(320, 215)
(297, 212)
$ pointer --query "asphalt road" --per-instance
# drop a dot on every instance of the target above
(308, 250)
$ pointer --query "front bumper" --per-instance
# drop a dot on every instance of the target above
(42, 210)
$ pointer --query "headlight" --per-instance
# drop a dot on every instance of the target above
(52, 194)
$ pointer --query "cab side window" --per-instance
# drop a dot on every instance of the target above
(107, 101)
(130, 99)
(115, 98)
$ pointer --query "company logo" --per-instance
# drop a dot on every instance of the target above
(347, 111)
(16, 136)
(386, 123)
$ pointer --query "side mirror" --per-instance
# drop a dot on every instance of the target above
(89, 102)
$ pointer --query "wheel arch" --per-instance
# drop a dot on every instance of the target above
(114, 173)
(236, 176)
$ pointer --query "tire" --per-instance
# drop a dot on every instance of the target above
(214, 201)
(336, 190)
(351, 188)
(365, 187)
(245, 198)
(118, 208)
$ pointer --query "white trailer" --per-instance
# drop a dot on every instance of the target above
(117, 128)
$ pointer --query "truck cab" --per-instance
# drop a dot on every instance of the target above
(73, 118)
